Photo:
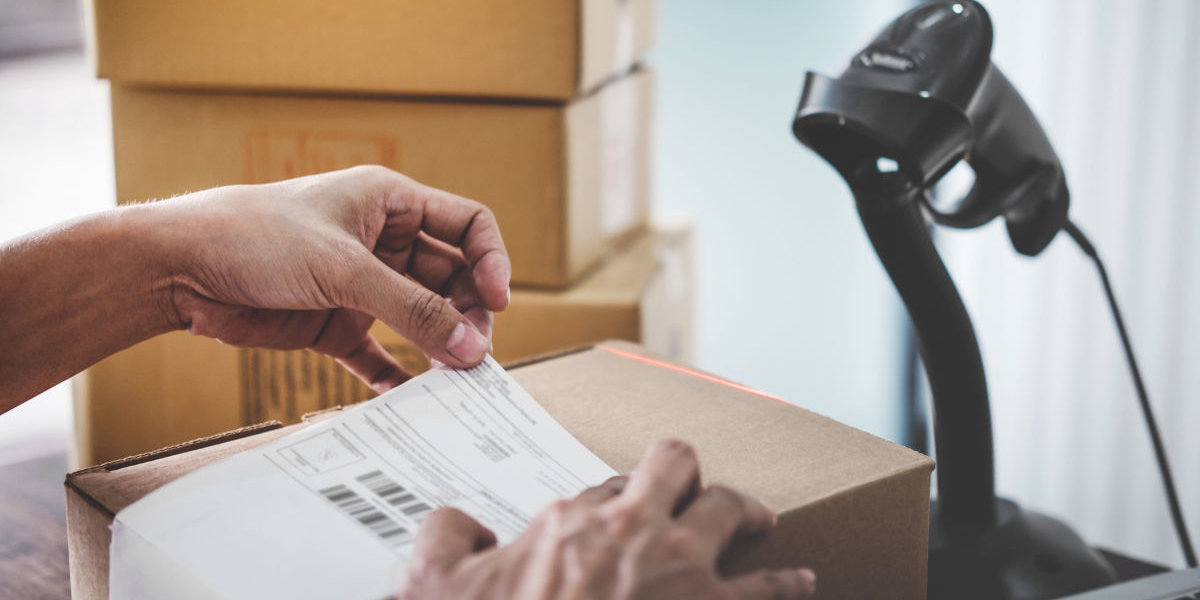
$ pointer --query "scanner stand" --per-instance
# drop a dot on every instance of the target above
(980, 547)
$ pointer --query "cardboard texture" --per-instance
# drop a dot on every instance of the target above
(852, 506)
(178, 387)
(566, 181)
(538, 49)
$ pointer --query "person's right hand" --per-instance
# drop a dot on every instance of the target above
(311, 263)
(654, 535)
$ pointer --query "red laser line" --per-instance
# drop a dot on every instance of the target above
(662, 364)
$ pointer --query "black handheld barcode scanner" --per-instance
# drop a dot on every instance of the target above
(921, 97)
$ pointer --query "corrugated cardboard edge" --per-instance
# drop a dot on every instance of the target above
(88, 521)
(907, 486)
(545, 356)
(188, 446)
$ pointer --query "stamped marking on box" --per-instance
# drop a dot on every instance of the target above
(272, 155)
(286, 385)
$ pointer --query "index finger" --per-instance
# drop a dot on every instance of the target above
(471, 227)
(667, 477)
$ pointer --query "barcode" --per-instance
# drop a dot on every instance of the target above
(362, 511)
(395, 494)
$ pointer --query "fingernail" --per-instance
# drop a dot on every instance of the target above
(508, 294)
(770, 509)
(809, 578)
(466, 343)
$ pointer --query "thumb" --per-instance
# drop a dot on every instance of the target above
(447, 536)
(428, 320)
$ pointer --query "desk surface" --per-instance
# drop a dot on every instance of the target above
(33, 533)
(33, 530)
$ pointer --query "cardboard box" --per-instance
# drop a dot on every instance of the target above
(548, 49)
(179, 387)
(566, 181)
(852, 506)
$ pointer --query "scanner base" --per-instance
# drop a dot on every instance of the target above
(1026, 556)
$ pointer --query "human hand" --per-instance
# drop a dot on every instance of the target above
(654, 535)
(312, 262)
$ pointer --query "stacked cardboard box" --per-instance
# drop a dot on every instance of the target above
(541, 111)
(852, 506)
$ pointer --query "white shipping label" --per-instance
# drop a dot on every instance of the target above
(333, 510)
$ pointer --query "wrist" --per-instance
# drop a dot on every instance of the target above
(148, 257)
(77, 292)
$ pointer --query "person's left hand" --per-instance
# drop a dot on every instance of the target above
(312, 262)
(654, 535)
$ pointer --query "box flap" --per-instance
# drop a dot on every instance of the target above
(117, 484)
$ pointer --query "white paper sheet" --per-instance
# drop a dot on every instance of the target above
(331, 511)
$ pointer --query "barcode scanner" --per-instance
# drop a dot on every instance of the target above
(924, 94)
(921, 97)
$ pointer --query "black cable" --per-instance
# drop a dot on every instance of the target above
(1160, 452)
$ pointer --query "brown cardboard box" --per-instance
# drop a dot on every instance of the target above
(549, 49)
(852, 506)
(179, 387)
(566, 181)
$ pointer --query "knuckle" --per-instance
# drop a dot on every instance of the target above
(426, 313)
(380, 177)
(373, 171)
(485, 215)
(478, 209)
(726, 496)
(557, 513)
(625, 518)
(677, 544)
(482, 218)
(568, 541)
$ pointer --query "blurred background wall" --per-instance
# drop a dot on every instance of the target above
(791, 298)
(1116, 84)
